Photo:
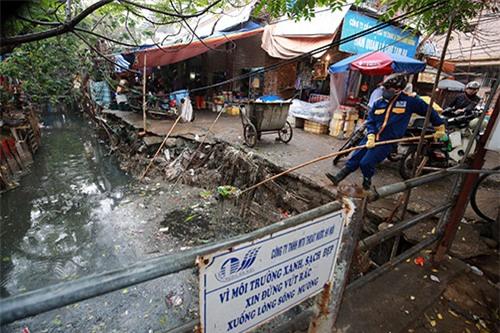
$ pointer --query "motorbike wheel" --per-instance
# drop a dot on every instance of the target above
(406, 163)
(394, 156)
(250, 135)
(475, 203)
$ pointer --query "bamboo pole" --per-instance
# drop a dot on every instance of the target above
(324, 157)
(161, 146)
(420, 146)
(209, 131)
(144, 78)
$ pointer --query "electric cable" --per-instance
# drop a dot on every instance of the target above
(325, 47)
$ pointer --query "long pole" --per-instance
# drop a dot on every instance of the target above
(433, 95)
(161, 146)
(144, 77)
(324, 157)
(406, 196)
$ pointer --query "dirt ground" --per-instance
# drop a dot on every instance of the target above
(459, 296)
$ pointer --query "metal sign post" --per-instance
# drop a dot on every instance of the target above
(354, 203)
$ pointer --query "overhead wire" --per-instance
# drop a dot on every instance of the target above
(363, 33)
(209, 131)
(325, 47)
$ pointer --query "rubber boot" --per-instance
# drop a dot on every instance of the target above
(367, 183)
(336, 179)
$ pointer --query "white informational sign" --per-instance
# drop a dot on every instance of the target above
(243, 287)
(494, 140)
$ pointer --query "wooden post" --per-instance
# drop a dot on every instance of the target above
(456, 213)
(144, 78)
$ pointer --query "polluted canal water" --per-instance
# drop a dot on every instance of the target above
(77, 214)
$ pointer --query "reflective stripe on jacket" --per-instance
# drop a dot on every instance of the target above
(391, 122)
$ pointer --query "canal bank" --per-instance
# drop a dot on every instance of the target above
(125, 221)
(77, 214)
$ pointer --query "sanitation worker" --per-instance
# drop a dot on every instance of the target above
(387, 120)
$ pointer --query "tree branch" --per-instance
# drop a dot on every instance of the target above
(59, 30)
(102, 55)
(181, 16)
(37, 22)
(90, 32)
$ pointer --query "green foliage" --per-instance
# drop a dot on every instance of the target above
(46, 68)
(299, 8)
(437, 20)
(434, 20)
(43, 11)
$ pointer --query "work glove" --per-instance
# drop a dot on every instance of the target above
(370, 142)
(439, 132)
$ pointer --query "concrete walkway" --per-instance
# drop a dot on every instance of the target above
(302, 148)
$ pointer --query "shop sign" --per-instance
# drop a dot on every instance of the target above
(389, 39)
(426, 77)
(245, 286)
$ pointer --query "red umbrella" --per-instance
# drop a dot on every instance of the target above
(378, 63)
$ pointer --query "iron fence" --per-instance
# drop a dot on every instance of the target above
(62, 294)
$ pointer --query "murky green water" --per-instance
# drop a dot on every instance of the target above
(77, 214)
(50, 225)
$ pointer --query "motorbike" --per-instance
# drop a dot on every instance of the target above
(444, 153)
(158, 107)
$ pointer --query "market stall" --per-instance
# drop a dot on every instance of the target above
(346, 80)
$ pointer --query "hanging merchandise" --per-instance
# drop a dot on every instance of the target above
(186, 110)
(255, 83)
(99, 92)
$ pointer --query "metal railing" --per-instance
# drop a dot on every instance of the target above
(62, 294)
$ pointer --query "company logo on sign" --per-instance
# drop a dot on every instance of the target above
(234, 267)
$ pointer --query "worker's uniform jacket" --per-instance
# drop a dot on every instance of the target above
(388, 120)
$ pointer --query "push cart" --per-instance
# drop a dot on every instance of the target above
(263, 118)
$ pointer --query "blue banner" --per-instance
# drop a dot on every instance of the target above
(389, 39)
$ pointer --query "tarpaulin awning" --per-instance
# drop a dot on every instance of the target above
(288, 39)
(448, 66)
(178, 52)
(451, 85)
(378, 63)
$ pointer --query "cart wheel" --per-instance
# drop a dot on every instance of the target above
(250, 135)
(286, 133)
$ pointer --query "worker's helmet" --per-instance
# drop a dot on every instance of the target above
(396, 81)
(473, 85)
